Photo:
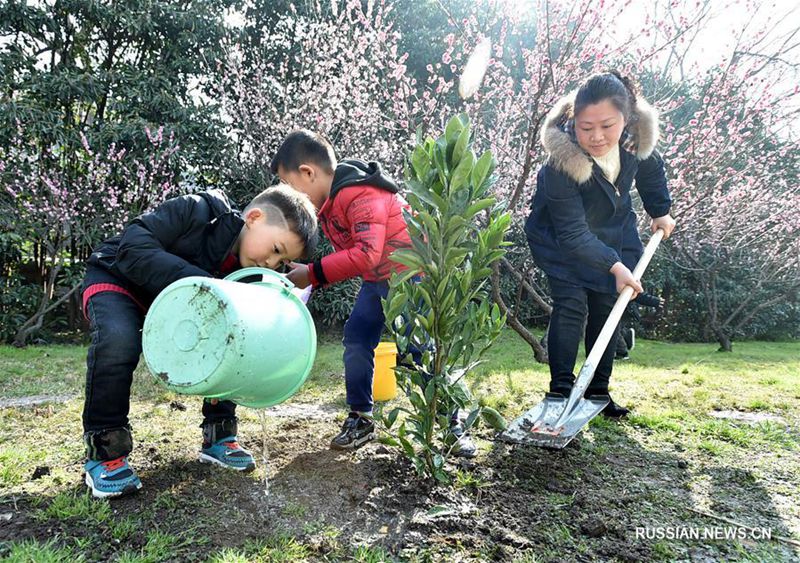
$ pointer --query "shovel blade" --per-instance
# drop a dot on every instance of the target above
(538, 425)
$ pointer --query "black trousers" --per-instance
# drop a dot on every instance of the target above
(574, 306)
(116, 329)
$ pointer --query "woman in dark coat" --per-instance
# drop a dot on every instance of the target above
(600, 140)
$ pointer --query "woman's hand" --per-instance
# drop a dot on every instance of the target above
(666, 222)
(624, 278)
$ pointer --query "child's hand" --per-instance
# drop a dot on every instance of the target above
(298, 275)
(667, 223)
(624, 277)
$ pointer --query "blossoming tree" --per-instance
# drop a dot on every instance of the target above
(336, 70)
(59, 199)
(733, 182)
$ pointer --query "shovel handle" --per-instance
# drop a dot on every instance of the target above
(622, 301)
(590, 365)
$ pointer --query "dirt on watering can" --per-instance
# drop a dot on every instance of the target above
(251, 343)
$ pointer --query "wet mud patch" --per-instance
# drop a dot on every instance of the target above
(34, 400)
(582, 503)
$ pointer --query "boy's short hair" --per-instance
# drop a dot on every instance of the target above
(302, 147)
(286, 207)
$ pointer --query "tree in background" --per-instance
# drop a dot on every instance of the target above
(336, 70)
(571, 40)
(83, 73)
(61, 198)
(107, 70)
(737, 197)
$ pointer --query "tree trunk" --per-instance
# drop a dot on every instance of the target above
(725, 344)
(709, 285)
(539, 352)
(33, 324)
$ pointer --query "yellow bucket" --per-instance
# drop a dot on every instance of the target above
(384, 383)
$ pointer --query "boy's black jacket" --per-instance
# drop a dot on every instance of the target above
(190, 235)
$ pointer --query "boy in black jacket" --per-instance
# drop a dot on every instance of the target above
(193, 235)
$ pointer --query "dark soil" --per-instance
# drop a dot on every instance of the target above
(582, 503)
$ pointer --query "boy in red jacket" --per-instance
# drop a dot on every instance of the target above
(361, 213)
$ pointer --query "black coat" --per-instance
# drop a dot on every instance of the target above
(190, 235)
(580, 223)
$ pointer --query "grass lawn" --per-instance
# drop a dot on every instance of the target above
(711, 432)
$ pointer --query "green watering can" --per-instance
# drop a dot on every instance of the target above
(250, 343)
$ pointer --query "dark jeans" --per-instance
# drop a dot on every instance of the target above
(116, 329)
(571, 304)
(362, 332)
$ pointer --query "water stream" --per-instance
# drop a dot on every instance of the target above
(262, 414)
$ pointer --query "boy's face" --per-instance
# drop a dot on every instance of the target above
(267, 245)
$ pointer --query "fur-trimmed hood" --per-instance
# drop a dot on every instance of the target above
(566, 156)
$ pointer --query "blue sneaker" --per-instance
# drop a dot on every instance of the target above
(227, 453)
(112, 478)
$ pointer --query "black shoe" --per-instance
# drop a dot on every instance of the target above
(613, 410)
(464, 446)
(555, 392)
(356, 431)
(622, 357)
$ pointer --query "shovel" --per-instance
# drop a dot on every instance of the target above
(554, 422)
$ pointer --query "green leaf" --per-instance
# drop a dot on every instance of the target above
(454, 127)
(440, 159)
(423, 192)
(456, 229)
(454, 257)
(430, 390)
(402, 277)
(389, 441)
(461, 145)
(493, 418)
(407, 258)
(461, 176)
(407, 447)
(442, 476)
(471, 418)
(392, 417)
(483, 169)
(417, 400)
(441, 288)
(479, 206)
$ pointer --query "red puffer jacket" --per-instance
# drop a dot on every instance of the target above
(363, 219)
